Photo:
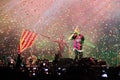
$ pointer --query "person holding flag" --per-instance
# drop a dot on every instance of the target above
(26, 40)
(78, 40)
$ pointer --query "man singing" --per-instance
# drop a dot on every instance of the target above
(78, 40)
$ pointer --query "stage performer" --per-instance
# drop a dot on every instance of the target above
(78, 40)
(61, 46)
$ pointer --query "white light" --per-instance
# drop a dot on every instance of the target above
(44, 64)
(59, 68)
(46, 69)
(33, 74)
(104, 75)
(64, 69)
(22, 65)
(11, 62)
(59, 73)
(103, 70)
(34, 68)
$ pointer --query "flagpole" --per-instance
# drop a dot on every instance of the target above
(45, 36)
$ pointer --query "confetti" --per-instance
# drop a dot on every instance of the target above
(98, 21)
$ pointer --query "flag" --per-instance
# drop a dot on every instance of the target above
(26, 40)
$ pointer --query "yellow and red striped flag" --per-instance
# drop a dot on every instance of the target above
(26, 40)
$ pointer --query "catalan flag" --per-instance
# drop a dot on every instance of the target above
(26, 40)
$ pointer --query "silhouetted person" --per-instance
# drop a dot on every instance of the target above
(19, 61)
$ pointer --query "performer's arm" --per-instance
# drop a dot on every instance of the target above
(68, 47)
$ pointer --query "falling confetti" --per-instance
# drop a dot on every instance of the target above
(97, 20)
